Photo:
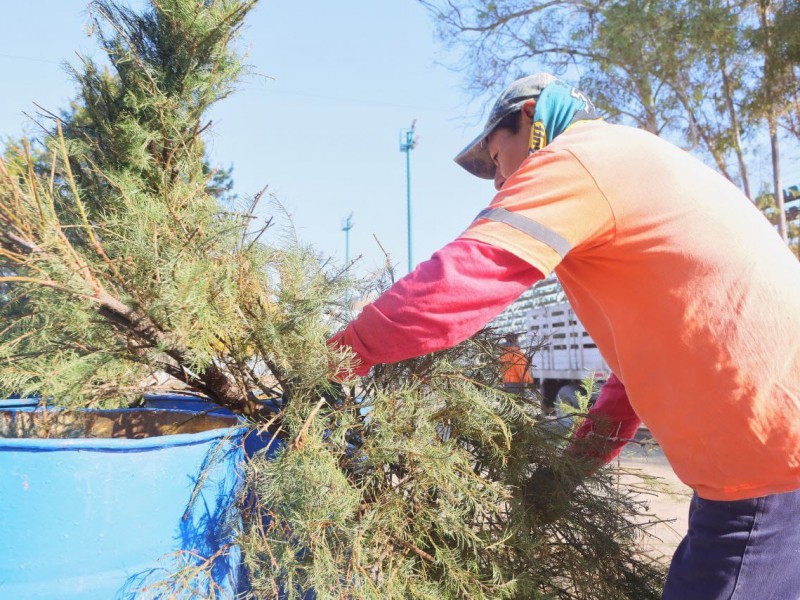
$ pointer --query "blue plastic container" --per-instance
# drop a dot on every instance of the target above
(19, 403)
(108, 518)
(178, 401)
(184, 402)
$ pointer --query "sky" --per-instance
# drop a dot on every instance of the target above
(317, 121)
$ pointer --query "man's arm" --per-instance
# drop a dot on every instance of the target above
(598, 440)
(441, 303)
(447, 299)
(611, 422)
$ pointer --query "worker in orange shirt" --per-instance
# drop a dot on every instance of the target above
(515, 367)
(689, 293)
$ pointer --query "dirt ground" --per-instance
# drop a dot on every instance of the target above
(668, 503)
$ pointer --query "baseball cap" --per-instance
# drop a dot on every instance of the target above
(475, 157)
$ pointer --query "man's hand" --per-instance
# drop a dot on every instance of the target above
(344, 371)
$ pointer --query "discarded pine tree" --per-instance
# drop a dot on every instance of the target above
(120, 261)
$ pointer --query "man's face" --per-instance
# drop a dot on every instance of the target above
(507, 149)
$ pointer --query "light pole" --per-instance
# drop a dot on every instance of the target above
(347, 225)
(407, 143)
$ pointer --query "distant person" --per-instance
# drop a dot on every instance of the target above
(515, 368)
(690, 295)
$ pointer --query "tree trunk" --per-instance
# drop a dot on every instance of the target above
(776, 178)
(702, 136)
(737, 138)
(214, 380)
(770, 72)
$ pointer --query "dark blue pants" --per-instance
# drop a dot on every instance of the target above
(739, 550)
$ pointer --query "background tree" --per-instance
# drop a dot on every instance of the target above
(120, 260)
(772, 100)
(766, 203)
(787, 27)
(129, 189)
(678, 68)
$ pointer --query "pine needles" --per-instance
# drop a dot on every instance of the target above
(420, 488)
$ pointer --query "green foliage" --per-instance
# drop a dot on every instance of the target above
(120, 261)
(765, 202)
(703, 72)
(420, 488)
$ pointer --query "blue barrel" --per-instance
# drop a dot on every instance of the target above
(265, 443)
(100, 518)
(19, 403)
(254, 440)
(184, 402)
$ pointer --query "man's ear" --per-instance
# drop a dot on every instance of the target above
(529, 108)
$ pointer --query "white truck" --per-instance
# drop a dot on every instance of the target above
(563, 353)
(568, 354)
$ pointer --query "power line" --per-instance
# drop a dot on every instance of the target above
(30, 58)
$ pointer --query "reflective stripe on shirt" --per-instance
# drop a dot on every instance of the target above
(528, 226)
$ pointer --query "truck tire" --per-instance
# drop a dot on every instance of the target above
(567, 396)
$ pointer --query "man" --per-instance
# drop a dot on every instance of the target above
(515, 368)
(690, 295)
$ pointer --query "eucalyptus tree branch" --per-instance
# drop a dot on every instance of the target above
(500, 20)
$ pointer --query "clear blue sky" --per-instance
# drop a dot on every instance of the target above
(318, 121)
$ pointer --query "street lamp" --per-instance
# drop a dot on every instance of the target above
(347, 225)
(407, 143)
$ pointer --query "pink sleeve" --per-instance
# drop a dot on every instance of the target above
(442, 302)
(611, 422)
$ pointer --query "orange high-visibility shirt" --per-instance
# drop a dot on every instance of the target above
(514, 366)
(689, 293)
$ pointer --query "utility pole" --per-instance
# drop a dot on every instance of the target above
(407, 143)
(347, 225)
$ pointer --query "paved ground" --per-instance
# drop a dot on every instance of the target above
(667, 500)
